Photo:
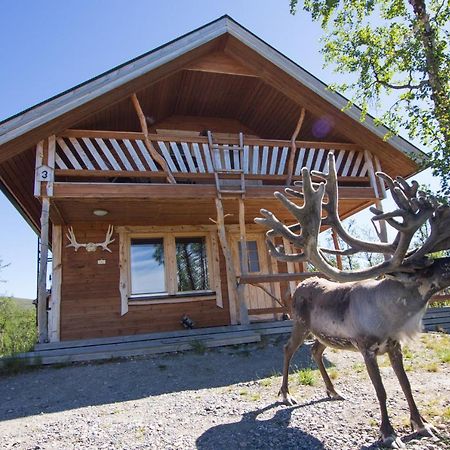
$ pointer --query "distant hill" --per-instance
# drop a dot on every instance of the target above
(23, 302)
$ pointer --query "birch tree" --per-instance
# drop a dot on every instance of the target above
(396, 54)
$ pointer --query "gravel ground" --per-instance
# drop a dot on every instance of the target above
(223, 399)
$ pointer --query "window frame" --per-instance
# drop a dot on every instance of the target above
(171, 294)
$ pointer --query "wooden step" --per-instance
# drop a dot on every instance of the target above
(229, 171)
(232, 191)
(134, 348)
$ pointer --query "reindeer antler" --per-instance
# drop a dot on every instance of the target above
(90, 246)
(414, 208)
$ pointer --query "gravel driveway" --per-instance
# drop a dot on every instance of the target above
(223, 399)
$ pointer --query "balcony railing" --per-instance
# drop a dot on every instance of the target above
(119, 154)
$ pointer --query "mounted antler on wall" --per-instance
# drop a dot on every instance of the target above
(90, 246)
(355, 311)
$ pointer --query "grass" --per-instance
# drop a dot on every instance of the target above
(306, 377)
(17, 328)
(199, 347)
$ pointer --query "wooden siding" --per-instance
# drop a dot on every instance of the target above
(90, 304)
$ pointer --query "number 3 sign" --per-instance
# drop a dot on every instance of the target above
(44, 173)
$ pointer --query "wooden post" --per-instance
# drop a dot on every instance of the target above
(294, 147)
(148, 143)
(42, 281)
(233, 290)
(382, 232)
(55, 301)
(124, 289)
(243, 313)
(337, 247)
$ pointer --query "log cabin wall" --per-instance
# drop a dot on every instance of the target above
(90, 297)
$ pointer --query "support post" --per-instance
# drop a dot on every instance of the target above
(382, 232)
(55, 301)
(243, 312)
(337, 247)
(148, 143)
(42, 281)
(294, 147)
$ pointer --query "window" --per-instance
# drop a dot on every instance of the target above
(192, 266)
(170, 266)
(252, 255)
(147, 266)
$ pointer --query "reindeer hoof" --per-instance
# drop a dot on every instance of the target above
(392, 441)
(426, 430)
(333, 395)
(287, 398)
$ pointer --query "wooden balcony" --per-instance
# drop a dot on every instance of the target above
(108, 156)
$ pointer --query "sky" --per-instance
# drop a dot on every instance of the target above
(49, 46)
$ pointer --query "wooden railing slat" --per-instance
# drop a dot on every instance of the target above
(167, 156)
(134, 155)
(281, 167)
(146, 154)
(208, 158)
(273, 161)
(82, 154)
(178, 157)
(265, 157)
(101, 143)
(198, 157)
(357, 164)
(70, 156)
(121, 154)
(187, 154)
(95, 154)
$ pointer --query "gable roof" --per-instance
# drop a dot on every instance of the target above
(13, 131)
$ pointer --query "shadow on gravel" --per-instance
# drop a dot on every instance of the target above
(52, 389)
(253, 433)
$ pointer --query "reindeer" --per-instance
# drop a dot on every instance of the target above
(370, 310)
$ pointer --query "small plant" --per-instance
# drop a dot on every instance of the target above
(444, 355)
(358, 367)
(199, 347)
(266, 382)
(243, 393)
(17, 328)
(307, 377)
(333, 373)
(407, 353)
(431, 367)
(255, 397)
(409, 367)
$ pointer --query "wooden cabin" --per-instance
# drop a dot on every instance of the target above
(165, 161)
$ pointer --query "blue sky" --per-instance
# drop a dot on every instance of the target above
(49, 46)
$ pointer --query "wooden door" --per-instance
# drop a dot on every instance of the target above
(258, 263)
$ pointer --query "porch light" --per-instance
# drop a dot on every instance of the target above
(100, 212)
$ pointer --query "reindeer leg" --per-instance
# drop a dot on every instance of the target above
(418, 423)
(317, 352)
(387, 432)
(298, 335)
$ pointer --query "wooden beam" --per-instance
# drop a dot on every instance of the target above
(42, 280)
(294, 146)
(153, 152)
(185, 191)
(259, 311)
(277, 277)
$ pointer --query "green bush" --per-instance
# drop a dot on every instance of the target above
(17, 328)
